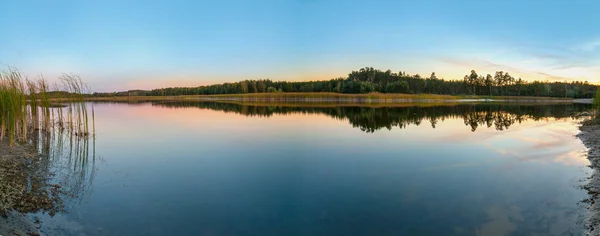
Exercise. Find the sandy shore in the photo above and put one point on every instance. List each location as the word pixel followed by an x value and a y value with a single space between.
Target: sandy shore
pixel 590 136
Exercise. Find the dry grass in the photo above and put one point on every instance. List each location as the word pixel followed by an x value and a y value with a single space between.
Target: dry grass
pixel 331 97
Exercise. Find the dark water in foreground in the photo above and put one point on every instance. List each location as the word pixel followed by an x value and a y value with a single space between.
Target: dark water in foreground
pixel 225 169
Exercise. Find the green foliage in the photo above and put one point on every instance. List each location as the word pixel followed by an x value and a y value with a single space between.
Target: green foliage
pixel 13 106
pixel 368 80
pixel 366 87
pixel 397 87
pixel 596 103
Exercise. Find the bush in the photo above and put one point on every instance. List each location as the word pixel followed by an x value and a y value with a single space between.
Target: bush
pixel 597 100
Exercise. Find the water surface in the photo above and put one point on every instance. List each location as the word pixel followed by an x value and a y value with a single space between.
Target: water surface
pixel 189 168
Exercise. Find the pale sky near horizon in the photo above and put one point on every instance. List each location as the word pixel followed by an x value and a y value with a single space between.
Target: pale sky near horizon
pixel 119 45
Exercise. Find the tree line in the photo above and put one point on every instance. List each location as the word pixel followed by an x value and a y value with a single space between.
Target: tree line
pixel 367 80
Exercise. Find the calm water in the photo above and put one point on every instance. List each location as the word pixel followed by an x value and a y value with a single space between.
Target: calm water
pixel 225 169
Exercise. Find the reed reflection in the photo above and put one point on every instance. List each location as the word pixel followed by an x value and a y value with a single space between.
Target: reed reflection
pixel 57 171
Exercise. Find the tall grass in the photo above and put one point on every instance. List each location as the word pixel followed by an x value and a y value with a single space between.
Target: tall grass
pixel 13 106
pixel 26 106
pixel 77 110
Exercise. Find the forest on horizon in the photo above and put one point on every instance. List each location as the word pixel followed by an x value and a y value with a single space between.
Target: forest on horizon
pixel 368 80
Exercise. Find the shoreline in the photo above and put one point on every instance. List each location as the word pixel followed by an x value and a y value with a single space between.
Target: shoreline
pixel 589 133
pixel 12 160
pixel 336 98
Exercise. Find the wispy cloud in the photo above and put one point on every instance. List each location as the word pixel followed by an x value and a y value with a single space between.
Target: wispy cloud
pixel 589 46
pixel 479 64
pixel 534 64
pixel 490 67
pixel 552 77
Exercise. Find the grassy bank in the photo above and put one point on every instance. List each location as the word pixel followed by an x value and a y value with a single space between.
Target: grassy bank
pixel 325 97
pixel 334 105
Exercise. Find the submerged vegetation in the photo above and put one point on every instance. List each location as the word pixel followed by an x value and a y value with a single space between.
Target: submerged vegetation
pixel 26 190
pixel 25 171
pixel 369 80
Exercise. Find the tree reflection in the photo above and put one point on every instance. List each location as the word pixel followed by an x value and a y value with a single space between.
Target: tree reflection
pixel 371 119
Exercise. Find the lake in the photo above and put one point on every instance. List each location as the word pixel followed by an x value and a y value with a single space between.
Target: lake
pixel 205 168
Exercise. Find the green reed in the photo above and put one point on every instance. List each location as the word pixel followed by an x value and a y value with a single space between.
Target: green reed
pixel 13 106
pixel 596 102
pixel 27 106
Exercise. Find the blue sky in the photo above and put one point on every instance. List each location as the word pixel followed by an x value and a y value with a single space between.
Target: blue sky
pixel 118 45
